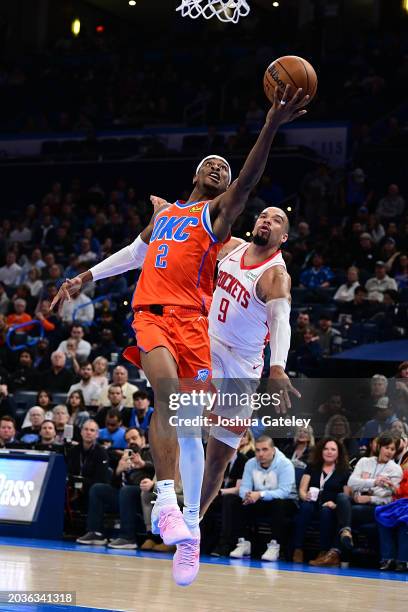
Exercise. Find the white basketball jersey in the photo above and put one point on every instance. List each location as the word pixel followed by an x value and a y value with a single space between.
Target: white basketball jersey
pixel 237 316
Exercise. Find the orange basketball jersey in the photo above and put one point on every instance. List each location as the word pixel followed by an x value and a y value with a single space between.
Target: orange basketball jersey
pixel 181 258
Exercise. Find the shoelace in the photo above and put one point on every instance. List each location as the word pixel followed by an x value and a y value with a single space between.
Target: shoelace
pixel 187 553
pixel 169 520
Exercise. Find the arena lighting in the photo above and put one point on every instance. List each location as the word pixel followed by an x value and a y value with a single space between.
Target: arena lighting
pixel 100 29
pixel 405 5
pixel 289 209
pixel 125 303
pixel 76 27
pixel 248 234
pixel 275 4
pixel 132 2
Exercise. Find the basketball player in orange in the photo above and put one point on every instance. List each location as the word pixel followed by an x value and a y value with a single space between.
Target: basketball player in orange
pixel 171 303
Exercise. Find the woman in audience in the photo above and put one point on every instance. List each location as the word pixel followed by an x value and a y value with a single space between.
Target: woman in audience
pixel 247 444
pixel 30 434
pixel 323 480
pixel 299 450
pixel 76 408
pixel 34 283
pixel 372 484
pixel 45 401
pixel 100 372
pixel 338 428
pixel 345 293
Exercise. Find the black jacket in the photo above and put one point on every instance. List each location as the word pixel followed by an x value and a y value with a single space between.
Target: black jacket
pixel 91 465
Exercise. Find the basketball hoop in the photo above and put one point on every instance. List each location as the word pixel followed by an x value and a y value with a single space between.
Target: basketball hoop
pixel 228 11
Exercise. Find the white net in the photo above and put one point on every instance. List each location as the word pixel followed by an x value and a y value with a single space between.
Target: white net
pixel 228 11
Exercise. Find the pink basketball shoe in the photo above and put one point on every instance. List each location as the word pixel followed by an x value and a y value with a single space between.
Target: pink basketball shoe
pixel 186 562
pixel 169 522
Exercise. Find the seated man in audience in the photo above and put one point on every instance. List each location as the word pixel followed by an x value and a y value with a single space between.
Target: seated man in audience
pixel 122 496
pixel 116 401
pixel 120 377
pixel 113 435
pixel 267 491
pixel 383 420
pixel 7 404
pixel 58 378
pixel 31 433
pixel 24 377
pixel 142 411
pixel 329 337
pixel 8 432
pixel 87 462
pixel 70 308
pixel 379 283
pixel 84 348
pixel 48 436
pixel 90 389
pixel 19 315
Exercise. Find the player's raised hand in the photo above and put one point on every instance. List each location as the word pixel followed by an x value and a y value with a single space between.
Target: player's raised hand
pixel 68 288
pixel 288 107
pixel 279 382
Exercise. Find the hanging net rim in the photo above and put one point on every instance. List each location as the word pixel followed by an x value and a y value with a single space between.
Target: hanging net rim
pixel 227 11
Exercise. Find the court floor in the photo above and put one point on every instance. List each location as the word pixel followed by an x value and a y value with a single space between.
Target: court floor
pixel 132 581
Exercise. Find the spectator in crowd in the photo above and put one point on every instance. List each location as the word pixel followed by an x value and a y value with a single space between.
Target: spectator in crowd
pixel 400 391
pixel 329 338
pixel 375 228
pixel 302 322
pixel 100 374
pixel 114 286
pixel 345 293
pixel 383 420
pixel 80 307
pixel 400 268
pixel 379 283
pixel 90 390
pixel 113 434
pixel 7 403
pixel 364 256
pixel 120 377
pixel 77 333
pixel 142 411
pixel 58 378
pixel 30 432
pixel 35 260
pixel 21 233
pixel 87 255
pixel 19 315
pixel 60 418
pixel 47 439
pixel 106 345
pixel 267 490
pixel 299 450
pixel 309 354
pixel 34 283
pixel 44 400
pixel 338 428
pixel 318 275
pixel 10 273
pixel 42 357
pixel 116 401
pixel 24 377
pixel 72 362
pixel 322 481
pixel 4 300
pixel 134 466
pixel 8 431
pixel 87 463
pixel 334 405
pixel 77 409
pixel 371 484
pixel 392 205
pixel 49 321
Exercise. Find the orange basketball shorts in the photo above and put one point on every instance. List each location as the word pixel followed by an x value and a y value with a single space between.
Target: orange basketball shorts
pixel 184 335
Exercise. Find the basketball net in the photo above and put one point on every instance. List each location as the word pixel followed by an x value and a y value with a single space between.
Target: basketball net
pixel 228 11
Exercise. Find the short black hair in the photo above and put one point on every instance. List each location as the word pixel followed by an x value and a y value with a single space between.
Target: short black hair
pixel 114 413
pixel 140 395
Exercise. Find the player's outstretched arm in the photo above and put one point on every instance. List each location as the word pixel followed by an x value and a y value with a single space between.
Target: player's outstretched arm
pixel 130 257
pixel 273 289
pixel 228 206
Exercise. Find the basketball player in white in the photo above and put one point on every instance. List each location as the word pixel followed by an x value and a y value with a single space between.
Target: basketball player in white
pixel 251 302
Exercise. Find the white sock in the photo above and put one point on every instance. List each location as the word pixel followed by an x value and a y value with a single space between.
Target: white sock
pixel 191 464
pixel 166 495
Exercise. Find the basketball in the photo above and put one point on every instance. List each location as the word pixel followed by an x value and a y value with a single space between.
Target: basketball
pixel 290 70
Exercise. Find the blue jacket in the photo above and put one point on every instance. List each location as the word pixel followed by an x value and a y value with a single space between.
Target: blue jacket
pixel 393 514
pixel 278 480
pixel 117 437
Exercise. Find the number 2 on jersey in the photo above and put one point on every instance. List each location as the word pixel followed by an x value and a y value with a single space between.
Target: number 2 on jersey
pixel 224 305
pixel 162 253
